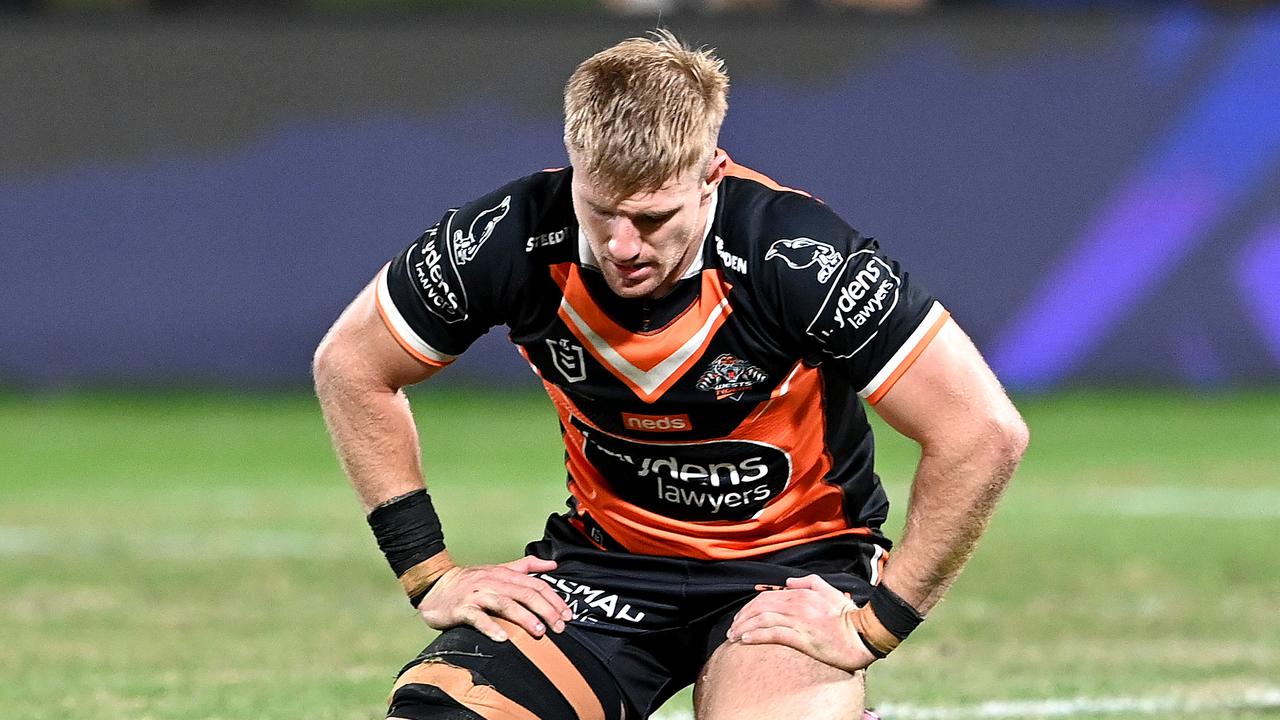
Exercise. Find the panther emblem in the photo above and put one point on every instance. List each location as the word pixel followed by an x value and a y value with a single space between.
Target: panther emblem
pixel 466 246
pixel 799 253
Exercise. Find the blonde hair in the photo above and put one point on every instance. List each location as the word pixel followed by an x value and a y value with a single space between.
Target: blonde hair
pixel 644 111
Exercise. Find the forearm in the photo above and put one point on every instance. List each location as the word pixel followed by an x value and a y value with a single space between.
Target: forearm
pixel 374 434
pixel 372 430
pixel 953 496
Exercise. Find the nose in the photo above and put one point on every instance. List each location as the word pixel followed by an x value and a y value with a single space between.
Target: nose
pixel 624 239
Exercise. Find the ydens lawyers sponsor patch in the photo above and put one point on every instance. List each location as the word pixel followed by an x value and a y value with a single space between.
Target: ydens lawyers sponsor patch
pixel 711 480
pixel 863 297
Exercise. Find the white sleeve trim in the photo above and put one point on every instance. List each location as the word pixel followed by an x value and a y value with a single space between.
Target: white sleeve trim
pixel 400 326
pixel 904 352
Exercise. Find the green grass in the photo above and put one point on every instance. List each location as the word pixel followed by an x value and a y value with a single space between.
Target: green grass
pixel 200 556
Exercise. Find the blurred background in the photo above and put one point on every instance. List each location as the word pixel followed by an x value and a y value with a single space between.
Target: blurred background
pixel 191 191
pixel 1095 193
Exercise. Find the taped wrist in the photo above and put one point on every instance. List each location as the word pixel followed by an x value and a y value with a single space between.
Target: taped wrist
pixel 885 621
pixel 409 534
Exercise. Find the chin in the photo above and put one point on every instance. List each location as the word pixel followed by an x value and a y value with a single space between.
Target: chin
pixel 633 292
pixel 630 291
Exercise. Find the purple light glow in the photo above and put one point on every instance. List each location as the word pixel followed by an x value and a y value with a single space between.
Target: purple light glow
pixel 1258 278
pixel 1146 233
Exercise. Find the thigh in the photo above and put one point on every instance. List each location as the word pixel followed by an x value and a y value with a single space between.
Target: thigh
pixel 741 682
pixel 465 675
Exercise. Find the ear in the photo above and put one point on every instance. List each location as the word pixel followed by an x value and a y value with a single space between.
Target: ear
pixel 716 171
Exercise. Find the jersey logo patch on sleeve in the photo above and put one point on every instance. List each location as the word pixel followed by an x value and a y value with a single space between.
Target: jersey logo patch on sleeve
pixel 466 246
pixel 728 376
pixel 436 280
pixel 802 252
pixel 863 298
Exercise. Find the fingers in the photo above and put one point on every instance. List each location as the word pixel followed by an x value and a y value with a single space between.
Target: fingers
pixel 808 615
pixel 772 607
pixel 788 599
pixel 559 608
pixel 541 599
pixel 507 608
pixel 756 621
pixel 481 609
pixel 776 635
pixel 797 606
pixel 480 620
pixel 813 582
pixel 750 613
pixel 476 595
pixel 809 582
pixel 560 611
pixel 531 564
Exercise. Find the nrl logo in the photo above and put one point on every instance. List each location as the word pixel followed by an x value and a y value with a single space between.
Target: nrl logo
pixel 728 376
pixel 568 359
pixel 799 253
pixel 466 246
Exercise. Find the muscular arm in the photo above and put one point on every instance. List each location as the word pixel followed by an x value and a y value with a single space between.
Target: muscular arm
pixel 971 438
pixel 359 370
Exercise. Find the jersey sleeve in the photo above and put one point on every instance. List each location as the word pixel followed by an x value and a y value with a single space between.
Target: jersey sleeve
pixel 852 308
pixel 452 284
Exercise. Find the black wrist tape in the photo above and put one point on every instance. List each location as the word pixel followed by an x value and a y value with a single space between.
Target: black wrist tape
pixel 408 530
pixel 896 614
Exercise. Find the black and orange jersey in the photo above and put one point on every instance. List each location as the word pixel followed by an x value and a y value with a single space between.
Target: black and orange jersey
pixel 721 421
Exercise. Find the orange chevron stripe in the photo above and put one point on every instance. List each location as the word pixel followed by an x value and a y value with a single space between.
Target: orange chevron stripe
pixel 649 355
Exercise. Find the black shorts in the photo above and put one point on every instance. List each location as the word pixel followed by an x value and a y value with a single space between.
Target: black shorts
pixel 643 628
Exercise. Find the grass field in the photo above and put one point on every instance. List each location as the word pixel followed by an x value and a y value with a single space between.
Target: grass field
pixel 198 556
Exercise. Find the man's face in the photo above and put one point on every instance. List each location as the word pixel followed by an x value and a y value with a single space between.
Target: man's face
pixel 645 242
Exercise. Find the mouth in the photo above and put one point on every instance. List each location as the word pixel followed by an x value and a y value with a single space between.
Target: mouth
pixel 633 273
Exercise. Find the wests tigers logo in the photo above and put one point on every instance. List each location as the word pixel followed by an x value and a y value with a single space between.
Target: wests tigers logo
pixel 728 376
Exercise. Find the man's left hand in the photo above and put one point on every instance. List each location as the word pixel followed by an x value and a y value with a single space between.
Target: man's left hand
pixel 809 615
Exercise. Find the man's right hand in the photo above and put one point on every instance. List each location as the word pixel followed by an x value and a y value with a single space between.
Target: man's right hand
pixel 475 595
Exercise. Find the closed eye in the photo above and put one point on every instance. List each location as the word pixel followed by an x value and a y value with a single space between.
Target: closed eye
pixel 656 218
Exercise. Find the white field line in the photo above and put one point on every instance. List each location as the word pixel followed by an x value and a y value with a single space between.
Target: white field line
pixel 1260 699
